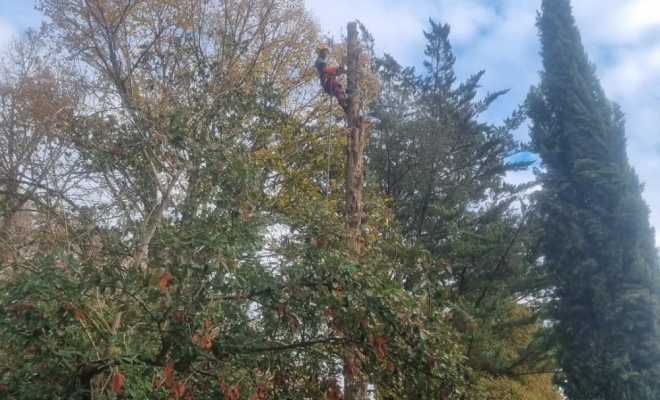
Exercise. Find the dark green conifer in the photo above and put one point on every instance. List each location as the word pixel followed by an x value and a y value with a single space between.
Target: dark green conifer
pixel 599 243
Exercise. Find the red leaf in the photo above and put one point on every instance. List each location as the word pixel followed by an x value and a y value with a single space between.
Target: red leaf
pixel 206 342
pixel 206 325
pixel 162 283
pixel 195 338
pixel 233 393
pixel 178 389
pixel 116 382
pixel 379 346
pixel 155 382
pixel 167 371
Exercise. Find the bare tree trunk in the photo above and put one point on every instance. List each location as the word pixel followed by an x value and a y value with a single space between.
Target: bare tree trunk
pixel 153 222
pixel 143 249
pixel 355 148
pixel 355 384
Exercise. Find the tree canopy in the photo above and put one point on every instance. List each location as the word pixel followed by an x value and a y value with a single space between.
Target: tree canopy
pixel 176 219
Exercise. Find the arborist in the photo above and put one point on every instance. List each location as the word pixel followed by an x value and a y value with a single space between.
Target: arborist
pixel 328 74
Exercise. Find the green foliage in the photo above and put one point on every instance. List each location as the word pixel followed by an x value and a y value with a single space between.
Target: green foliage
pixel 599 245
pixel 209 266
pixel 192 247
pixel 516 343
pixel 475 255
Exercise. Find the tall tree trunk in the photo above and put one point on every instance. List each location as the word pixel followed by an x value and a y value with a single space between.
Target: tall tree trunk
pixel 355 384
pixel 355 148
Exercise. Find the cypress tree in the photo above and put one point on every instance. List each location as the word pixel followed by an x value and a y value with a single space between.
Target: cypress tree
pixel 599 244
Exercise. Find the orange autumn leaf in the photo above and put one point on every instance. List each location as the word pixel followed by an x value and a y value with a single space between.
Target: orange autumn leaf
pixel 167 371
pixel 155 383
pixel 178 389
pixel 162 283
pixel 206 342
pixel 233 393
pixel 206 325
pixel 195 339
pixel 116 382
pixel 379 346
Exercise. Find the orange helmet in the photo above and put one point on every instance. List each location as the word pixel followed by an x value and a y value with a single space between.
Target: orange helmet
pixel 321 46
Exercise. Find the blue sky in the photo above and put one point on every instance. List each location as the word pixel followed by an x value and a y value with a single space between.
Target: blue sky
pixel 621 36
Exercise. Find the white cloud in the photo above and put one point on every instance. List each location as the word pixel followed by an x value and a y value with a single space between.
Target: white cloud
pixel 621 36
pixel 617 22
pixel 397 27
pixel 468 19
pixel 6 33
pixel 643 14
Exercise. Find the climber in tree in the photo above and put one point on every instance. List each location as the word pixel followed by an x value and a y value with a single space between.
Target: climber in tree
pixel 328 75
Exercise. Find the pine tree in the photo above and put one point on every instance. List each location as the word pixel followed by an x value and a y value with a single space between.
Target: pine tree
pixel 599 244
pixel 443 171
